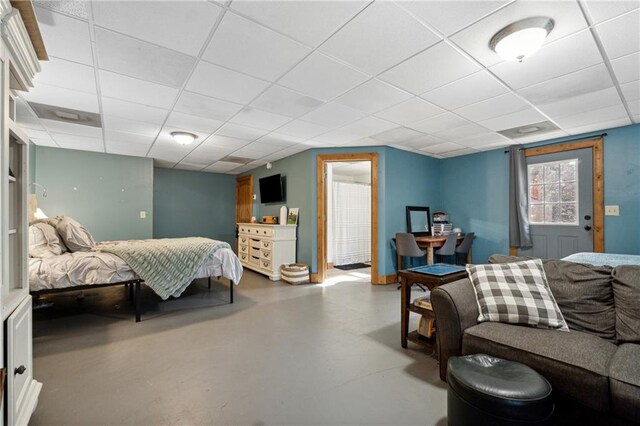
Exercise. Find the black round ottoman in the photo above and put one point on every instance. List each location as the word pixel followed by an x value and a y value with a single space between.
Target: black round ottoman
pixel 484 390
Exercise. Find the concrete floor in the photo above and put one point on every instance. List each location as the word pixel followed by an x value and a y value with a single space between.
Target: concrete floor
pixel 298 355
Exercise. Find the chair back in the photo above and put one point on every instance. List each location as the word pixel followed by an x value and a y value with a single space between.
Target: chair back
pixel 407 246
pixel 449 247
pixel 465 245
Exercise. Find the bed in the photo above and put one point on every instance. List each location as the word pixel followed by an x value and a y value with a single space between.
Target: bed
pixel 64 257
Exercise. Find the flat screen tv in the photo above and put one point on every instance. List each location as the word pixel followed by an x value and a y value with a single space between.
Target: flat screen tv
pixel 272 189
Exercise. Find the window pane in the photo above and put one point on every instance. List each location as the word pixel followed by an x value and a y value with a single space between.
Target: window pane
pixel 551 193
pixel 536 193
pixel 552 213
pixel 536 213
pixel 551 172
pixel 535 174
pixel 568 213
pixel 568 170
pixel 568 192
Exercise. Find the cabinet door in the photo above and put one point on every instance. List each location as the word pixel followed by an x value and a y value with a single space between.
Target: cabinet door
pixel 19 360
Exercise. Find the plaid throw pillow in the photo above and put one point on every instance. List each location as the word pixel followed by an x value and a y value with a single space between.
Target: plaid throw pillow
pixel 515 293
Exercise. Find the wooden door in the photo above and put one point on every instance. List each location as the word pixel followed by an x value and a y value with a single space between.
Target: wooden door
pixel 244 199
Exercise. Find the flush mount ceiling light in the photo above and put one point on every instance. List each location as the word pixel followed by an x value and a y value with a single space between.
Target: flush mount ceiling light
pixel 183 138
pixel 522 38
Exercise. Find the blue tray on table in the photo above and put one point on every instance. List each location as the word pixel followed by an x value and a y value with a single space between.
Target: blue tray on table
pixel 437 269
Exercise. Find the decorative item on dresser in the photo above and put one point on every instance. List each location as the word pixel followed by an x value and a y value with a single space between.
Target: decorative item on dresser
pixel 19 64
pixel 264 248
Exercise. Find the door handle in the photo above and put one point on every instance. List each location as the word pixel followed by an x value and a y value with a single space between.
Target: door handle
pixel 587 228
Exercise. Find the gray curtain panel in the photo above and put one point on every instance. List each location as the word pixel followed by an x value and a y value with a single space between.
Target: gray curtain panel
pixel 519 235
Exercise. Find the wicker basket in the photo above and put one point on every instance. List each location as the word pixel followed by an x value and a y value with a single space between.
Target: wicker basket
pixel 295 273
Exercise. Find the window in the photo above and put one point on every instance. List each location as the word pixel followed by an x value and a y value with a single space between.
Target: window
pixel 553 193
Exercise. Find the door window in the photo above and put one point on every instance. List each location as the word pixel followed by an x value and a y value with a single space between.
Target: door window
pixel 553 193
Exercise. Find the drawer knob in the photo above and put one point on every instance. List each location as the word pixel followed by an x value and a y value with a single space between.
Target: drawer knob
pixel 20 370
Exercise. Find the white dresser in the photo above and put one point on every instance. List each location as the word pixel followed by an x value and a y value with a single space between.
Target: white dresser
pixel 264 248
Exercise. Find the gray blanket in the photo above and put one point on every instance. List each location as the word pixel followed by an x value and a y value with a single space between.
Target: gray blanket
pixel 166 265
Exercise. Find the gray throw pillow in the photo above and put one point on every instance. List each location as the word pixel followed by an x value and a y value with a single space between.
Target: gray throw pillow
pixel 626 291
pixel 75 236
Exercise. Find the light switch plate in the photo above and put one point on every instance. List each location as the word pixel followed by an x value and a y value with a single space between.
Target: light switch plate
pixel 612 210
pixel 143 214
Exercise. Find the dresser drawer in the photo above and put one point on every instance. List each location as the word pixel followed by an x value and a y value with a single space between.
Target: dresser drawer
pixel 265 254
pixel 265 264
pixel 266 244
pixel 243 239
pixel 19 359
pixel 244 248
pixel 244 257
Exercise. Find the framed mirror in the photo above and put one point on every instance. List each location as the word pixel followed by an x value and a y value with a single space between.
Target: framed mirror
pixel 418 220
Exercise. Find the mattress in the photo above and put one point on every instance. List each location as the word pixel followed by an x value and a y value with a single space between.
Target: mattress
pixel 91 268
pixel 600 259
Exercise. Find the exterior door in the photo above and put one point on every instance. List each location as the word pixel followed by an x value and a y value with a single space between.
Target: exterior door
pixel 560 203
pixel 244 199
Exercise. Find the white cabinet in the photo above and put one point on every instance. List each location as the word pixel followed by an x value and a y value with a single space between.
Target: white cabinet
pixel 264 248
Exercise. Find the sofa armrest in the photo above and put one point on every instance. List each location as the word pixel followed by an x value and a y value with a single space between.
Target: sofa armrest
pixel 456 309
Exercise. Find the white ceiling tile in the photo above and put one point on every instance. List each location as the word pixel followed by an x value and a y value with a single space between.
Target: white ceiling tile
pixel 241 132
pixel 279 139
pixel 302 129
pixel 183 165
pixel 474 88
pixel 461 132
pixel 205 157
pixel 591 79
pixel 423 142
pixel 66 37
pixel 397 135
pixel 631 90
pixel 544 136
pixel 130 126
pixel 256 150
pixel 66 74
pixel 253 117
pixel 124 148
pixel 114 136
pixel 372 96
pixel 133 111
pixel 438 123
pixel 82 143
pixel 140 19
pixel 190 123
pixel 245 46
pixel 310 22
pixel 484 140
pixel 41 138
pixel 283 101
pixel 219 141
pixel 53 126
pixel 581 103
pixel 595 116
pixel 620 36
pixel 410 111
pixel 222 83
pixel 321 77
pixel 67 98
pixel 204 106
pixel 592 127
pixel 475 38
pixel 627 68
pixel 494 107
pixel 133 90
pixel 436 66
pixel 75 8
pixel 459 152
pixel 450 16
pixel 362 128
pixel 163 164
pixel 380 36
pixel 222 167
pixel 443 147
pixel 139 59
pixel 333 115
pixel 516 119
pixel 603 10
pixel 25 117
pixel 553 60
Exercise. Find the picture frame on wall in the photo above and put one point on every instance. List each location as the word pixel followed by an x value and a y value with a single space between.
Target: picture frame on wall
pixel 292 218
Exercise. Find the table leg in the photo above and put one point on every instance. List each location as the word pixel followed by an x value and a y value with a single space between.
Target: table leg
pixel 429 255
pixel 405 294
pixel 469 257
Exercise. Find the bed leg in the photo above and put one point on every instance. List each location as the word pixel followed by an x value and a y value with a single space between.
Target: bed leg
pixel 209 285
pixel 130 288
pixel 137 294
pixel 230 291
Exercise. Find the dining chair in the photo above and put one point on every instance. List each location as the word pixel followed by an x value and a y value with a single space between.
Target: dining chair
pixel 448 249
pixel 464 248
pixel 407 246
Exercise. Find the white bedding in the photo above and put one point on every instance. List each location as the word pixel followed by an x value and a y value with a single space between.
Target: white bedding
pixel 90 268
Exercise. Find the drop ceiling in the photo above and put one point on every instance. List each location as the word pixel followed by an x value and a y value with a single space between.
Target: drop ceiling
pixel 263 80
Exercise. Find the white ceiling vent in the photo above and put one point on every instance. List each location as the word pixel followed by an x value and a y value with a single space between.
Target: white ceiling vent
pixel 66 115
pixel 529 129
pixel 238 160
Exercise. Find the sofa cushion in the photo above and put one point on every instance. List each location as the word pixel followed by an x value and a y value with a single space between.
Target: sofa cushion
pixel 575 363
pixel 626 292
pixel 515 293
pixel 585 296
pixel 625 382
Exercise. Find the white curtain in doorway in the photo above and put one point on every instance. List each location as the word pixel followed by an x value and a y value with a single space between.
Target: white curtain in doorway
pixel 351 223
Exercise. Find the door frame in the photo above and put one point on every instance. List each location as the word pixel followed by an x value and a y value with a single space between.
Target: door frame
pixel 321 206
pixel 242 179
pixel 597 150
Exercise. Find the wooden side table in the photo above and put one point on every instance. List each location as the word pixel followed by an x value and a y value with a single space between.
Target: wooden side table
pixel 407 278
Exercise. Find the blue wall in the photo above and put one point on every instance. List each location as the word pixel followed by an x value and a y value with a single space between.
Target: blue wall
pixel 475 194
pixel 187 204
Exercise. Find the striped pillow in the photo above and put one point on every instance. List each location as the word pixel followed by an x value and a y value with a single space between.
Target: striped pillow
pixel 516 293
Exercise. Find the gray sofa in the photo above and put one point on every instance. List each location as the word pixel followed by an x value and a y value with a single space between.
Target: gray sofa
pixel 596 364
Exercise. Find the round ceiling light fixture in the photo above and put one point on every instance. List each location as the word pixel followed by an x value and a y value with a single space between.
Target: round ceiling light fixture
pixel 521 39
pixel 183 138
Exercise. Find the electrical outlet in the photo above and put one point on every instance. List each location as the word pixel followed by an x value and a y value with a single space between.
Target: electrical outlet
pixel 143 214
pixel 612 210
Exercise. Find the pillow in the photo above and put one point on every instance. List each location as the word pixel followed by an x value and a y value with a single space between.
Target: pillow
pixel 44 241
pixel 53 221
pixel 626 292
pixel 515 293
pixel 75 236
